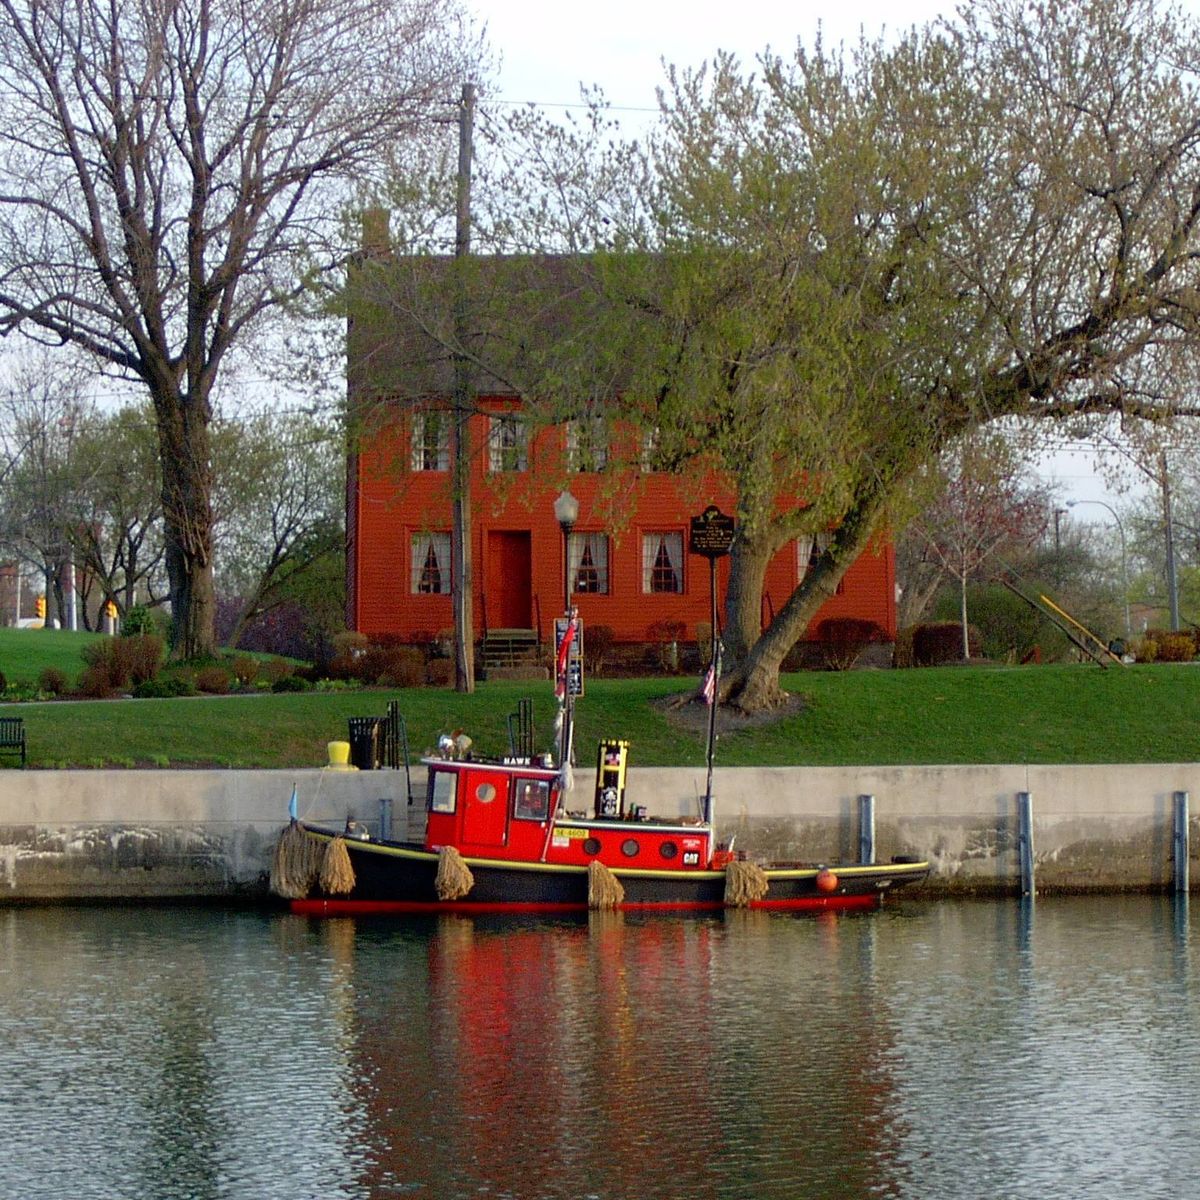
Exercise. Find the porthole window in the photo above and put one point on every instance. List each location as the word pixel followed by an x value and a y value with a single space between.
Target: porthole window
pixel 668 850
pixel 485 793
pixel 630 847
pixel 591 846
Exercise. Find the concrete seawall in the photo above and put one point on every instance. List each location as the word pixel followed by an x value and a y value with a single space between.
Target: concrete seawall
pixel 137 835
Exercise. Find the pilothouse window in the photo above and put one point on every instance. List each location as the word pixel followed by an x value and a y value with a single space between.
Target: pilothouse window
pixel 533 799
pixel 442 791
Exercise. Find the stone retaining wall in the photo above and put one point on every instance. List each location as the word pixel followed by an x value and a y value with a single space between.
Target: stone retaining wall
pixel 129 835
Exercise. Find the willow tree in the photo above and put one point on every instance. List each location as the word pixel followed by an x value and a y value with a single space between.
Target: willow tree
pixel 169 169
pixel 833 267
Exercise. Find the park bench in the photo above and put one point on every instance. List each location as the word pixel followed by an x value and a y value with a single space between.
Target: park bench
pixel 12 736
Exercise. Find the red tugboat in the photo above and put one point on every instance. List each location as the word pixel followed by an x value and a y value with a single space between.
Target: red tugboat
pixel 502 836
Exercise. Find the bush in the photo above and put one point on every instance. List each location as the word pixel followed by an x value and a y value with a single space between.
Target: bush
pixel 843 639
pixel 1164 645
pixel 597 646
pixel 52 681
pixel 165 687
pixel 940 642
pixel 271 669
pixel 291 683
pixel 665 637
pixel 394 666
pixel 902 652
pixel 124 660
pixel 245 669
pixel 137 621
pixel 95 682
pixel 214 681
pixel 440 672
pixel 349 644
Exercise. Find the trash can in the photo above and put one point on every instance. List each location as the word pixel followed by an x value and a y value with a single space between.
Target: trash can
pixel 364 743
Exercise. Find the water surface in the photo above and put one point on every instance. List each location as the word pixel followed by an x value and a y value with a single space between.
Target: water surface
pixel 926 1051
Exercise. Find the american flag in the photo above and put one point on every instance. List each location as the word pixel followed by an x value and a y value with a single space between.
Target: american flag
pixel 708 685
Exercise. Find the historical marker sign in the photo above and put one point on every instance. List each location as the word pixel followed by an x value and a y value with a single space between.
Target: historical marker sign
pixel 711 533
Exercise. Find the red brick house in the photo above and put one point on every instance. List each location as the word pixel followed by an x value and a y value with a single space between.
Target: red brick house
pixel 629 566
pixel 628 562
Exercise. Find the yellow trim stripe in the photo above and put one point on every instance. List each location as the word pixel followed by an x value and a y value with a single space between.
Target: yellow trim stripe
pixel 885 869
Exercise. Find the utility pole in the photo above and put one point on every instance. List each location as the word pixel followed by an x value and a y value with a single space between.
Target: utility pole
pixel 460 570
pixel 1172 585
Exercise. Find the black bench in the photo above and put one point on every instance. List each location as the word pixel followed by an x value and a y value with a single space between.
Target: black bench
pixel 12 736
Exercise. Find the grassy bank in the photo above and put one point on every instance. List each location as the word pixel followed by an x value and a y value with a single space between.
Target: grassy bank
pixel 1061 714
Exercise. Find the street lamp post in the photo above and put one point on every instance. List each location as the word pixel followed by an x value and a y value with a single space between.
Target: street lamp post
pixel 566 513
pixel 1124 556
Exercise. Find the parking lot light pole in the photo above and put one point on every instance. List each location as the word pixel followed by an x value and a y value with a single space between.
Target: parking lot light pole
pixel 1124 556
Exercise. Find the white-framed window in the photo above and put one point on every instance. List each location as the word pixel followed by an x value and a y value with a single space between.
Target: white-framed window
pixel 662 562
pixel 651 439
pixel 587 444
pixel 589 563
pixel 431 564
pixel 508 444
pixel 806 553
pixel 430 441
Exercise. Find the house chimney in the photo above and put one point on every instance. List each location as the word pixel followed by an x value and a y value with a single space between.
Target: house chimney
pixel 376 241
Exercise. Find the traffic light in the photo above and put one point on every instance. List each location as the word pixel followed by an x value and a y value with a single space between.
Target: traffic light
pixel 39 608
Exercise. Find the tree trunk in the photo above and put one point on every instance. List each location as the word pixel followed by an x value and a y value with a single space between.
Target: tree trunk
pixel 187 520
pixel 749 560
pixel 753 684
pixel 962 610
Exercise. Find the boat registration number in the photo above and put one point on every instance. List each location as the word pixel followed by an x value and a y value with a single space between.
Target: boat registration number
pixel 565 834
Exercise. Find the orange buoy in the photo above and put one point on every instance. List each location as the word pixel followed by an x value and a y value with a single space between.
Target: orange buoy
pixel 827 881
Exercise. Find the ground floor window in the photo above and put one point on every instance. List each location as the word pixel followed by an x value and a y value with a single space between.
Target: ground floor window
pixel 662 562
pixel 431 563
pixel 589 563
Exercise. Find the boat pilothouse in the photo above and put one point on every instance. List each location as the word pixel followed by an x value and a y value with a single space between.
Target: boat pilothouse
pixel 519 810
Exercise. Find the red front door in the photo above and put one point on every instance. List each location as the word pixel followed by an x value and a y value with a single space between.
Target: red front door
pixel 509 580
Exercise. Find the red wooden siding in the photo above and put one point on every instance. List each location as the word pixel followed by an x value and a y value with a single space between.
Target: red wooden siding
pixel 389 504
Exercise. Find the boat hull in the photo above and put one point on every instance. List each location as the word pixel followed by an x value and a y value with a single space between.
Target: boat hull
pixel 397 877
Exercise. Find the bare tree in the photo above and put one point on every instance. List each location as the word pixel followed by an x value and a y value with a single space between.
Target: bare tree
pixel 171 171
pixel 42 417
pixel 985 506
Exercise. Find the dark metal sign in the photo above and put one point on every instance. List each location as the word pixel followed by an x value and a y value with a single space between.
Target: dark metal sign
pixel 711 533
pixel 574 663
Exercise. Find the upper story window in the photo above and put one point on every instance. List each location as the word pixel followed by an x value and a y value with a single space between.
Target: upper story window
pixel 589 563
pixel 508 444
pixel 806 554
pixel 662 562
pixel 431 564
pixel 587 444
pixel 431 441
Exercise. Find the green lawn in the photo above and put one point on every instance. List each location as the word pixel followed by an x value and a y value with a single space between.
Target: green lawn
pixel 25 652
pixel 949 715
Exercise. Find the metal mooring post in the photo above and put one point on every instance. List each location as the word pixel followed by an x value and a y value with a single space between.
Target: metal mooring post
pixel 1025 841
pixel 385 818
pixel 866 830
pixel 1181 842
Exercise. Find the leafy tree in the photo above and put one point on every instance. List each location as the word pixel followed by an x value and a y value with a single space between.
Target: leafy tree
pixel 829 270
pixel 278 508
pixel 168 175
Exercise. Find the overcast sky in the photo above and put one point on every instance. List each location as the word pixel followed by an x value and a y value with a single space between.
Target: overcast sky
pixel 549 48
